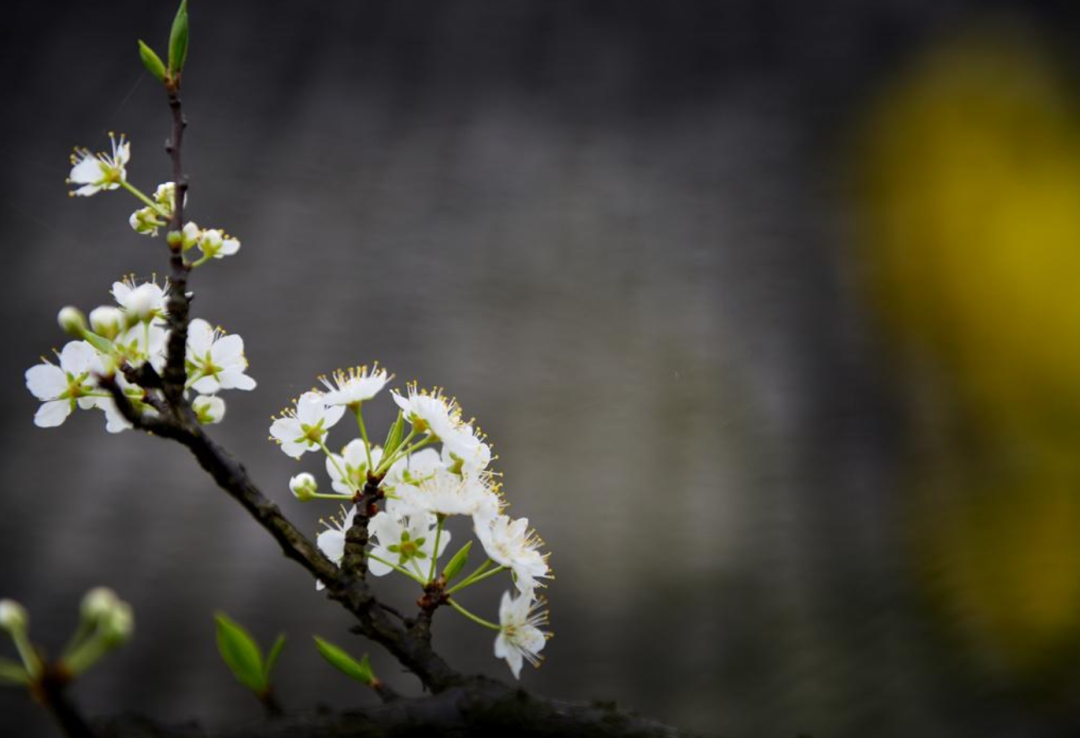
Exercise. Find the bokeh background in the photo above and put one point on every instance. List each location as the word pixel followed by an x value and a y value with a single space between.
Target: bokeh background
pixel 771 309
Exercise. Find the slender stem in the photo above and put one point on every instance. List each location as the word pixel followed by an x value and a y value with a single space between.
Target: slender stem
pixel 142 196
pixel 476 572
pixel 435 550
pixel 473 580
pixel 324 496
pixel 363 434
pixel 475 618
pixel 27 653
pixel 397 568
pixel 201 260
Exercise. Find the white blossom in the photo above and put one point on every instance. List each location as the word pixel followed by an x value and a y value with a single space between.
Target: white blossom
pixel 430 411
pixel 355 385
pixel 96 172
pixel 407 542
pixel 62 388
pixel 520 639
pixel 446 493
pixel 304 428
pixel 510 543
pixel 148 220
pixel 332 540
pixel 352 461
pixel 464 451
pixel 215 361
pixel 141 302
pixel 216 245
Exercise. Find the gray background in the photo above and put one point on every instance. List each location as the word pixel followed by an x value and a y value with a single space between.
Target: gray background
pixel 610 229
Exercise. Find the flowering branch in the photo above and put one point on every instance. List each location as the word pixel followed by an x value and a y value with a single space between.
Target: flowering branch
pixel 179 303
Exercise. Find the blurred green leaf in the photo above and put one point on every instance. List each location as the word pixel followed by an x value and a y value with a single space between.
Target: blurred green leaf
pixel 178 40
pixel 358 670
pixel 457 563
pixel 152 61
pixel 272 657
pixel 240 653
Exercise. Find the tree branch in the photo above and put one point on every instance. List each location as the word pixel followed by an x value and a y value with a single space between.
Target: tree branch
pixel 481 707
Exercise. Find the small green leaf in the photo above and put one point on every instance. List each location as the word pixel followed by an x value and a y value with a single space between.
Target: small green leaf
pixel 178 40
pixel 457 563
pixel 240 653
pixel 358 670
pixel 393 438
pixel 272 657
pixel 12 672
pixel 152 61
pixel 103 345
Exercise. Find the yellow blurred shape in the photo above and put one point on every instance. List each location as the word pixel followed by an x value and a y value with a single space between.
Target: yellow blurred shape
pixel 972 178
pixel 971 192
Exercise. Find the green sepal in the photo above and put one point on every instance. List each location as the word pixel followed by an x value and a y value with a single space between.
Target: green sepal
pixel 178 41
pixel 240 653
pixel 152 61
pixel 393 438
pixel 272 657
pixel 346 664
pixel 13 673
pixel 457 563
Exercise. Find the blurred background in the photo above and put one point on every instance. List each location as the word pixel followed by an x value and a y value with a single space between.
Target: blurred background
pixel 771 310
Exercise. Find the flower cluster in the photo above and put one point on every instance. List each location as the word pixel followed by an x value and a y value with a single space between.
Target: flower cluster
pixel 437 469
pixel 132 333
pixel 108 171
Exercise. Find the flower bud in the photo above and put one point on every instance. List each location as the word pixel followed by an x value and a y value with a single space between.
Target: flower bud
pixel 119 625
pixel 174 239
pixel 303 486
pixel 107 321
pixel 13 617
pixel 208 409
pixel 72 321
pixel 190 235
pixel 98 604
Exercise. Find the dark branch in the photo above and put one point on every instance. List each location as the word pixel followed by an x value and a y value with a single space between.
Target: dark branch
pixel 178 304
pixel 482 707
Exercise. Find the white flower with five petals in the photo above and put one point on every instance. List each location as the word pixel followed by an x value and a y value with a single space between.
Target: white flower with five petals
pixel 408 542
pixel 446 493
pixel 304 428
pixel 215 361
pixel 62 388
pixel 510 543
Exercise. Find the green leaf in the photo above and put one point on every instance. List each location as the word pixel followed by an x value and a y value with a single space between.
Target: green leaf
pixel 457 563
pixel 393 438
pixel 358 670
pixel 178 40
pixel 240 653
pixel 272 657
pixel 12 672
pixel 152 61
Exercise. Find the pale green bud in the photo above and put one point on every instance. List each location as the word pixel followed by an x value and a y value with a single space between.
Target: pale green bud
pixel 107 321
pixel 13 616
pixel 303 486
pixel 98 604
pixel 72 321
